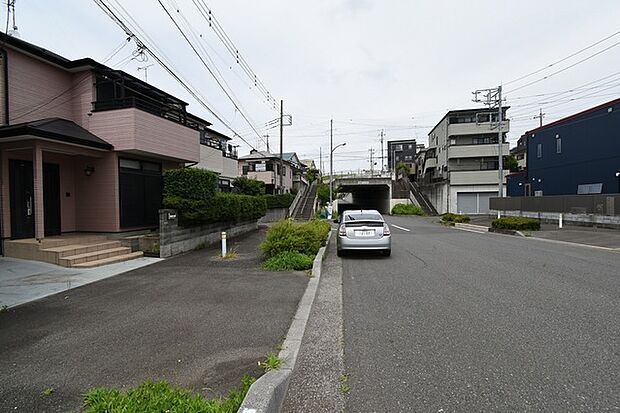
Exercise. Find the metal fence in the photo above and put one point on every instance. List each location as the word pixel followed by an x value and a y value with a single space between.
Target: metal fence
pixel 570 204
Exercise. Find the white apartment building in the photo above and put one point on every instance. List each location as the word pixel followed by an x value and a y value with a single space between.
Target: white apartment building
pixel 461 162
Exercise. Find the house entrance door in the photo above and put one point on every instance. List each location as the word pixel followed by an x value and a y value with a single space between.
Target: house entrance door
pixel 21 191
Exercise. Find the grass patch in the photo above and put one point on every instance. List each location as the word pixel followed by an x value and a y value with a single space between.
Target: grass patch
pixel 454 218
pixel 4 309
pixel 344 384
pixel 271 362
pixel 47 392
pixel 306 238
pixel 289 261
pixel 162 397
pixel 407 209
pixel 230 255
pixel 516 223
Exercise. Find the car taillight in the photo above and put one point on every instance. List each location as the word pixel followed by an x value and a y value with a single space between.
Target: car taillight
pixel 386 230
pixel 342 231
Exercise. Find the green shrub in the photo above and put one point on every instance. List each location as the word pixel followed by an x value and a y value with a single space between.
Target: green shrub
pixel 190 183
pixel 247 186
pixel 305 238
pixel 516 223
pixel 323 193
pixel 407 209
pixel 455 218
pixel 223 207
pixel 161 397
pixel 279 200
pixel 289 261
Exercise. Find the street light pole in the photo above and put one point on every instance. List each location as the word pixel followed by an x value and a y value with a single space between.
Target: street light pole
pixel 331 162
pixel 331 171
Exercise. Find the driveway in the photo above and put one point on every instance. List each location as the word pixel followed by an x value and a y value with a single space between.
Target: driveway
pixel 194 320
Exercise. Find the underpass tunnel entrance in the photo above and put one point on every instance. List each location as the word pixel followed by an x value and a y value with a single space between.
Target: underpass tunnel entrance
pixel 365 197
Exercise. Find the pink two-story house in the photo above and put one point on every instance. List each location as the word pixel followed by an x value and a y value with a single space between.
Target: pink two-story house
pixel 83 146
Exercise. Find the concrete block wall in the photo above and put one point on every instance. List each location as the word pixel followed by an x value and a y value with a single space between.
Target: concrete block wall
pixel 174 239
pixel 274 214
pixel 587 220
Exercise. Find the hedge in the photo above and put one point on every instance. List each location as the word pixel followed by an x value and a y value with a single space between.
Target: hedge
pixel 454 218
pixel 289 261
pixel 246 186
pixel 190 183
pixel 222 207
pixel 407 209
pixel 305 238
pixel 516 223
pixel 279 200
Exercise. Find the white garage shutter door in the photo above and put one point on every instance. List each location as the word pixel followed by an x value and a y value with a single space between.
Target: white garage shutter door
pixel 473 202
pixel 467 202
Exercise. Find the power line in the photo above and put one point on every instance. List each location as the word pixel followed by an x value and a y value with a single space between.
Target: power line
pixel 564 59
pixel 565 69
pixel 228 95
pixel 106 9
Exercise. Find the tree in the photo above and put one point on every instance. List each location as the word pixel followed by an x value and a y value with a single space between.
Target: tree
pixel 403 169
pixel 246 186
pixel 312 174
pixel 511 163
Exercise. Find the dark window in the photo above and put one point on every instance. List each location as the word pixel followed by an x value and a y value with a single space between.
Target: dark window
pixel 245 169
pixel 558 145
pixel 539 150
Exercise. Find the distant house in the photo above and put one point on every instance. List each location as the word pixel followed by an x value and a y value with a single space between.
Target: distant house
pixel 217 154
pixel 579 154
pixel 265 166
pixel 308 163
pixel 83 146
pixel 402 150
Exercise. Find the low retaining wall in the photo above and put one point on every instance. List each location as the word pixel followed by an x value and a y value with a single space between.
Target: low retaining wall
pixel 586 220
pixel 274 215
pixel 174 239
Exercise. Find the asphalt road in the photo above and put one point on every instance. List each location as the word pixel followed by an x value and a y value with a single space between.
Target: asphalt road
pixel 193 320
pixel 460 321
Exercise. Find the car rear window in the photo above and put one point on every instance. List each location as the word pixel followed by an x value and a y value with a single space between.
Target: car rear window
pixel 363 217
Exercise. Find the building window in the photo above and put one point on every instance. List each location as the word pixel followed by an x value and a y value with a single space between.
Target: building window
pixel 245 169
pixel 539 150
pixel 558 145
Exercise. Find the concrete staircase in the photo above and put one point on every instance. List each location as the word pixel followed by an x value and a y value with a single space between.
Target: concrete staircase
pixel 75 251
pixel 305 207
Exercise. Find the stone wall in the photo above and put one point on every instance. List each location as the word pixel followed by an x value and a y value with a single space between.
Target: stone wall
pixel 175 239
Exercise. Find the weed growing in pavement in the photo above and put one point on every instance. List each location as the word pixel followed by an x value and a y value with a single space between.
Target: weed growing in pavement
pixel 47 392
pixel 272 362
pixel 344 384
pixel 4 309
pixel 161 397
pixel 230 255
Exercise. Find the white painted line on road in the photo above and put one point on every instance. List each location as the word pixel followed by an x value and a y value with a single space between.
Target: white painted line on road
pixel 404 229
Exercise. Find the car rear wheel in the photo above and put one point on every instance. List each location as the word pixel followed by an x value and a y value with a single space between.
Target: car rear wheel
pixel 386 253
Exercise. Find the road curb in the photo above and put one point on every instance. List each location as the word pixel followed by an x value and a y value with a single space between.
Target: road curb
pixel 267 394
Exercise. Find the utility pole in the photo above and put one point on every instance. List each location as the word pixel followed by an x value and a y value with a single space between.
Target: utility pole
pixel 540 116
pixel 493 98
pixel 331 160
pixel 281 143
pixel 382 166
pixel 267 139
pixel 372 165
pixel 321 162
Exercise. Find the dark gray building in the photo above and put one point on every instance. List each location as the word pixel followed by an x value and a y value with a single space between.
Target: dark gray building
pixel 404 151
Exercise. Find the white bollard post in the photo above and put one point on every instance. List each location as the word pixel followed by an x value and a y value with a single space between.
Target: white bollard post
pixel 499 214
pixel 560 220
pixel 223 243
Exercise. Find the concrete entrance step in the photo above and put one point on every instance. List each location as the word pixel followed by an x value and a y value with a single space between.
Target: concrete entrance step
pixel 77 249
pixel 73 260
pixel 109 260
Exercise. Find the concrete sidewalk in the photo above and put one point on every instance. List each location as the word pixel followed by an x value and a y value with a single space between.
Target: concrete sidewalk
pixel 194 320
pixel 597 237
pixel 22 281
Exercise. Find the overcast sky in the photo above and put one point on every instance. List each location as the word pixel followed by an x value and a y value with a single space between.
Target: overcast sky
pixel 369 65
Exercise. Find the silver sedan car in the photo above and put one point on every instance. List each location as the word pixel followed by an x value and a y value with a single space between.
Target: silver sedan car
pixel 363 230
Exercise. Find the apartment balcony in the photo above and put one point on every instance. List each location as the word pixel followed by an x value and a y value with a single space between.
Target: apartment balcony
pixel 430 163
pixel 476 128
pixel 475 177
pixel 475 151
pixel 135 130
